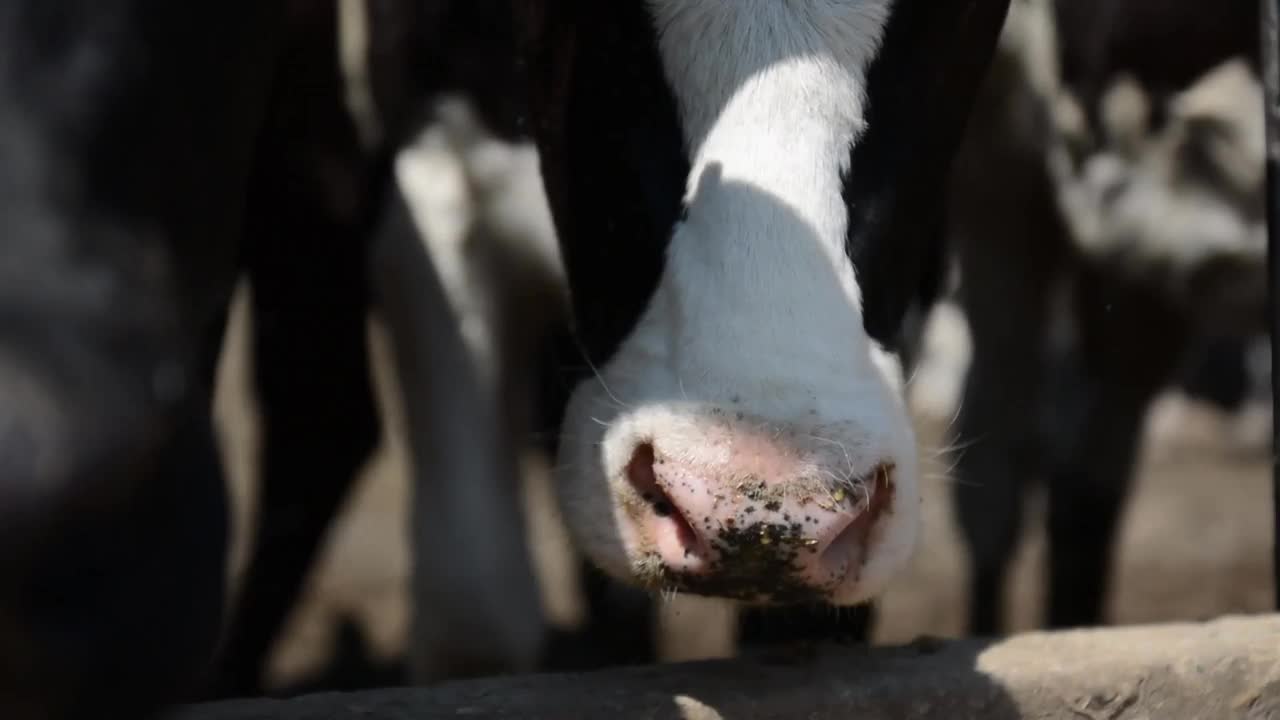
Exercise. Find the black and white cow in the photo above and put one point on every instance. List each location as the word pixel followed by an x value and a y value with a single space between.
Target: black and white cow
pixel 1105 221
pixel 746 197
pixel 746 201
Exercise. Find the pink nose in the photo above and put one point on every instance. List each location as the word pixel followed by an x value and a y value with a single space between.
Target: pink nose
pixel 767 525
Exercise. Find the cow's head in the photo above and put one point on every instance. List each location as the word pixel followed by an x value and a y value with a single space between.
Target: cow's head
pixel 1179 206
pixel 747 195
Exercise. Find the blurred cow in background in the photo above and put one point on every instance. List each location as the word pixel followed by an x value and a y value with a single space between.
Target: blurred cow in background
pixel 1107 212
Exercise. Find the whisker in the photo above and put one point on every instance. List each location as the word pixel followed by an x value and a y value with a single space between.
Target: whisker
pixel 843 448
pixel 949 480
pixel 955 416
pixel 599 377
pixel 950 449
pixel 915 371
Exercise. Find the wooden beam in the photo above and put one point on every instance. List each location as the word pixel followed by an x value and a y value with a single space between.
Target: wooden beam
pixel 1228 668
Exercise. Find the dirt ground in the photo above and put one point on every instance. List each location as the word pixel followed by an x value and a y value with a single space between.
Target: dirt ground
pixel 1196 541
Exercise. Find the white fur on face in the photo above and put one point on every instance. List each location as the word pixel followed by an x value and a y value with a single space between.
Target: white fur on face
pixel 758 309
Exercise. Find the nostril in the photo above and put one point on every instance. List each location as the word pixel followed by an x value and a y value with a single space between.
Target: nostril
pixel 841 539
pixel 644 479
pixel 853 533
pixel 640 473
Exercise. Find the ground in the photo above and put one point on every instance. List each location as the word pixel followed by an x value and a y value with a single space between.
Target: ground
pixel 1196 543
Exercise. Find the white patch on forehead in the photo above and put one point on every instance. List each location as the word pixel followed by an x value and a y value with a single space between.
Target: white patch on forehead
pixel 771 96
pixel 709 47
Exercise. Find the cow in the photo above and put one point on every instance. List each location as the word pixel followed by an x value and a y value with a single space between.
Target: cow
pixel 744 200
pixel 1105 213
pixel 745 197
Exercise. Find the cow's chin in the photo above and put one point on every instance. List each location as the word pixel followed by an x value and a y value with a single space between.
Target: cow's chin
pixel 678 495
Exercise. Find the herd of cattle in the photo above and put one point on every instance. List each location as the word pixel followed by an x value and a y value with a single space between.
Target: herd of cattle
pixel 686 246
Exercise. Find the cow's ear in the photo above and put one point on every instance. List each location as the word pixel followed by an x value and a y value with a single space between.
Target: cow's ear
pixel 1126 116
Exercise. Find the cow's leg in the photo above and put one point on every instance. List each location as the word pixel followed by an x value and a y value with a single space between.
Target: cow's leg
pixel 1005 304
pixel 476 603
pixel 1218 373
pixel 1010 250
pixel 1130 346
pixel 1009 253
pixel 1009 260
pixel 306 257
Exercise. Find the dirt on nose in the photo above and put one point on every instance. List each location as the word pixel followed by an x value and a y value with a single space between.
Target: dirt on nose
pixel 756 563
pixel 757 552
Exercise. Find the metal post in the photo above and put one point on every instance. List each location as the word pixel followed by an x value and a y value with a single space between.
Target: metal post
pixel 1271 82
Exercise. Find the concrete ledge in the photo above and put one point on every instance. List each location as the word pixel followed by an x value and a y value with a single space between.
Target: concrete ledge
pixel 1227 668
